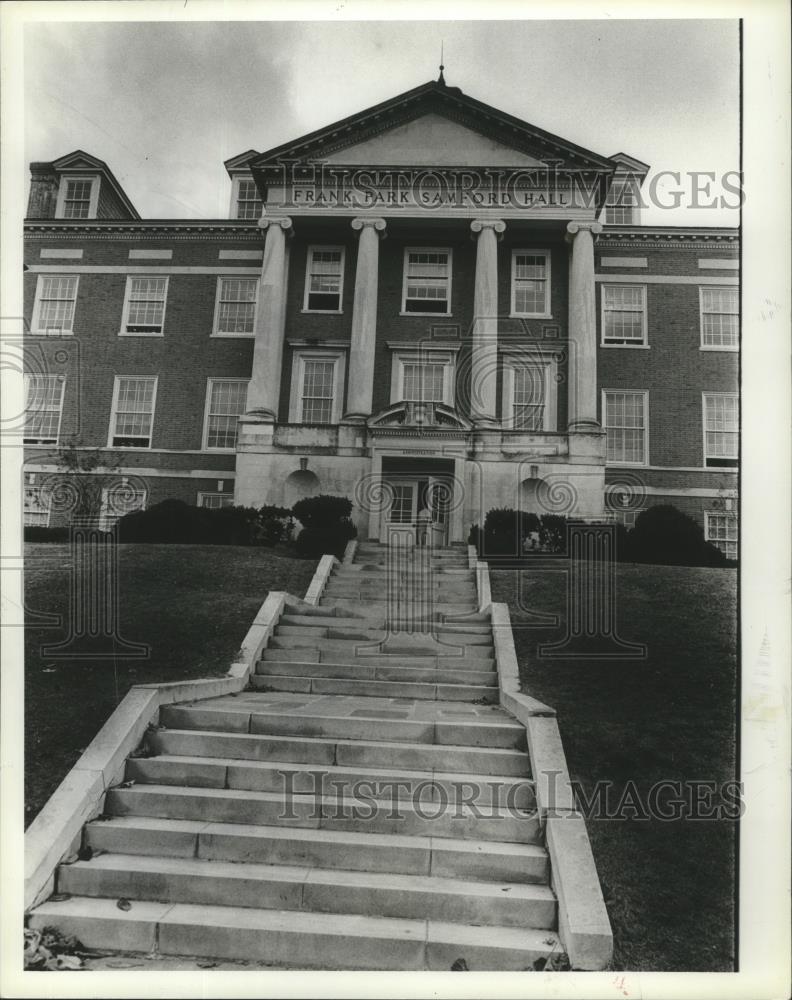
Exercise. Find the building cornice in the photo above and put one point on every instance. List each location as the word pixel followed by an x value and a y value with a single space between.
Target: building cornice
pixel 667 236
pixel 168 229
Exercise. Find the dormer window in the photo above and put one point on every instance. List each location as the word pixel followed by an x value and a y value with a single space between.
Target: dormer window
pixel 77 198
pixel 621 205
pixel 247 200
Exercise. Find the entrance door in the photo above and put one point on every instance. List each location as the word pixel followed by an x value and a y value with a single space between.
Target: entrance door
pixel 401 515
pixel 438 500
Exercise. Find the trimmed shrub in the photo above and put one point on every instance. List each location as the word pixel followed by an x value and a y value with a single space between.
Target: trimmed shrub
pixel 38 533
pixel 506 529
pixel 176 522
pixel 667 537
pixel 327 526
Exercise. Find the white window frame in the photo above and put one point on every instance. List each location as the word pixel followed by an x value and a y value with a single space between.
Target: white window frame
pixel 216 331
pixel 207 406
pixel 104 512
pixel 718 468
pixel 306 292
pixel 723 513
pixel 48 443
pixel 207 495
pixel 643 343
pixel 234 209
pixel 114 414
pixel 60 204
pixel 36 317
pixel 634 392
pixel 123 332
pixel 530 360
pixel 407 251
pixel 717 347
pixel 620 184
pixel 426 357
pixel 298 378
pixel 42 494
pixel 538 252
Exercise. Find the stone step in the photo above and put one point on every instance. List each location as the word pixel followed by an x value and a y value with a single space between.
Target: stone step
pixel 426 787
pixel 250 713
pixel 376 689
pixel 330 812
pixel 399 610
pixel 447 637
pixel 402 648
pixel 458 672
pixel 365 625
pixel 317 751
pixel 317 890
pixel 471 859
pixel 293 938
pixel 373 571
pixel 403 596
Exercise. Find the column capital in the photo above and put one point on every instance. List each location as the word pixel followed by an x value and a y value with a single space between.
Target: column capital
pixel 573 228
pixel 283 221
pixel 378 225
pixel 498 226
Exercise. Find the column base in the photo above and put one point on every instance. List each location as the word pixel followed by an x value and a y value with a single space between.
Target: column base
pixel 585 426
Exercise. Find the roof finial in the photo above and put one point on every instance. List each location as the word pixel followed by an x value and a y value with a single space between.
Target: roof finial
pixel 441 78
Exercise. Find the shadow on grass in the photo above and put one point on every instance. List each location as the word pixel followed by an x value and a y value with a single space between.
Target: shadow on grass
pixel 669 886
pixel 191 604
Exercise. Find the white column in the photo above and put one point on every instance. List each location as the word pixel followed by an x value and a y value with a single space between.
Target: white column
pixel 364 318
pixel 484 360
pixel 582 373
pixel 270 322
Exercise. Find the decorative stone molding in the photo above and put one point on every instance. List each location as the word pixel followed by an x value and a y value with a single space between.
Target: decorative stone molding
pixel 376 224
pixel 477 226
pixel 573 228
pixel 284 222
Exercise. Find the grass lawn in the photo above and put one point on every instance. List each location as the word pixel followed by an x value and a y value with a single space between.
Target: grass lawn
pixel 192 604
pixel 669 886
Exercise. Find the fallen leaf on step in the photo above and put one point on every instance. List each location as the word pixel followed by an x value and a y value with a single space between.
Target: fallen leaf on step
pixel 59 897
pixel 205 964
pixel 460 966
pixel 124 904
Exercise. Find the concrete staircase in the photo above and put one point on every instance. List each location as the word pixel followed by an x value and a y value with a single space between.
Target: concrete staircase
pixel 365 805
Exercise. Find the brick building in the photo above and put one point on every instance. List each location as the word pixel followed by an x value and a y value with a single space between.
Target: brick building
pixel 430 305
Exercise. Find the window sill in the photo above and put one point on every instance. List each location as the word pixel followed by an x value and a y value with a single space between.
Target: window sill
pixel 516 315
pixel 323 312
pixel 52 333
pixel 218 451
pixel 436 315
pixel 217 335
pixel 626 465
pixel 128 447
pixel 126 333
pixel 727 350
pixel 630 347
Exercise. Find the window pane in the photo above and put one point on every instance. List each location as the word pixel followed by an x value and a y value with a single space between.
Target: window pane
pixel 56 303
pixel 719 317
pixel 324 279
pixel 428 278
pixel 44 399
pixel 624 424
pixel 423 382
pixel 721 424
pixel 722 530
pixel 215 500
pixel 35 507
pixel 134 412
pixel 248 200
pixel 118 502
pixel 146 305
pixel 77 203
pixel 237 305
pixel 530 283
pixel 317 391
pixel 227 401
pixel 529 398
pixel 623 314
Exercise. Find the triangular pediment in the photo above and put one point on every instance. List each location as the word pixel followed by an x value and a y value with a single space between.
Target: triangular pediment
pixel 78 160
pixel 434 125
pixel 431 140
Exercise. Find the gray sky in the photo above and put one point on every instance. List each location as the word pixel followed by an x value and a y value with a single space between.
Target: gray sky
pixel 164 103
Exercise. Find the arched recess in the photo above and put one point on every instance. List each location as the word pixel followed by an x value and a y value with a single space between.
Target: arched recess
pixel 302 483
